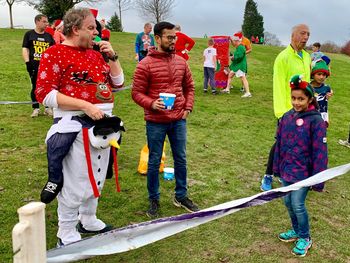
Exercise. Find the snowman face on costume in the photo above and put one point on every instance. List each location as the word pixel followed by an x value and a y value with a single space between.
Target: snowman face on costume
pixel 105 141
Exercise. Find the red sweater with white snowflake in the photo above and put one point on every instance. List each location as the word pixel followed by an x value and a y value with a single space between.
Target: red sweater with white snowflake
pixel 75 72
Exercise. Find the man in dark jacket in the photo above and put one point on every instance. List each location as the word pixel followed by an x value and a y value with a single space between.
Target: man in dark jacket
pixel 164 72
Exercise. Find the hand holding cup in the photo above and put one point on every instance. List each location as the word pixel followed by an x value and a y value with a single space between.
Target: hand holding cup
pixel 168 99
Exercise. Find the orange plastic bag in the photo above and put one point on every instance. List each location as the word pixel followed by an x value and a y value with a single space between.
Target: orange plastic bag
pixel 143 163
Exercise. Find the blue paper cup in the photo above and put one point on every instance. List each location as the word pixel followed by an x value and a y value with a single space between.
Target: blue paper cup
pixel 168 174
pixel 168 99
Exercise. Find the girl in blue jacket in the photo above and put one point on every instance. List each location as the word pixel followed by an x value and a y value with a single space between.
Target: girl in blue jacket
pixel 301 152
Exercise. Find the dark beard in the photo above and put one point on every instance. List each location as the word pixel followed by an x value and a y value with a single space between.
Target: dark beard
pixel 168 49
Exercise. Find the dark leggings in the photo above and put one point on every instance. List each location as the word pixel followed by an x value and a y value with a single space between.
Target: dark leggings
pixel 33 77
pixel 269 165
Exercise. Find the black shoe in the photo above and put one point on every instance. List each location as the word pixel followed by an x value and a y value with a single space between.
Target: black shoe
pixel 214 92
pixel 187 204
pixel 82 230
pixel 153 208
pixel 50 191
pixel 205 90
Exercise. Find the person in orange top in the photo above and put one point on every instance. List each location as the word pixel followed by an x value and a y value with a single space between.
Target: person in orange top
pixel 246 43
pixel 183 44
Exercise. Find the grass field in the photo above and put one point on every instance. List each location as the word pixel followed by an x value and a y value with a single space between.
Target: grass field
pixel 228 143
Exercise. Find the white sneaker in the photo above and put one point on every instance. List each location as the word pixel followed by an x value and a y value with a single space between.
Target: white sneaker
pixel 344 143
pixel 246 95
pixel 48 112
pixel 35 113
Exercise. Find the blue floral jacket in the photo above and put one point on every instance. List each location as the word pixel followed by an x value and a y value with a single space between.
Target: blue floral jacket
pixel 301 146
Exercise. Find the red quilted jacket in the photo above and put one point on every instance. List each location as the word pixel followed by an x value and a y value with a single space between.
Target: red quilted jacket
pixel 163 72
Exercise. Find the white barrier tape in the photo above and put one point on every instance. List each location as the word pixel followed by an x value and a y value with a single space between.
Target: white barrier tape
pixel 138 235
pixel 16 102
pixel 123 88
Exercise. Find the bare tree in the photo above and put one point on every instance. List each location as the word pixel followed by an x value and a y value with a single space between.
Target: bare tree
pixel 346 48
pixel 55 9
pixel 271 39
pixel 123 5
pixel 155 10
pixel 10 4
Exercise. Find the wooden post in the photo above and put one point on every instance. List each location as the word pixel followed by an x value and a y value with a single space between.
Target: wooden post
pixel 29 236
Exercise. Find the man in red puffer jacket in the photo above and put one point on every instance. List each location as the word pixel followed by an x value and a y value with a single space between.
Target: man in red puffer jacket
pixel 161 71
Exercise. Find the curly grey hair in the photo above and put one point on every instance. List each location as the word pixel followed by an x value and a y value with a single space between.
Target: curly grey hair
pixel 74 17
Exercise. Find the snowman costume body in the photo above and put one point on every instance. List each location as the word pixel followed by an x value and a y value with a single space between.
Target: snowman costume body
pixel 77 201
pixel 83 74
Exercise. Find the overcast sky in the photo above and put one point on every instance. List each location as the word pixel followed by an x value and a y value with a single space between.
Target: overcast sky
pixel 328 20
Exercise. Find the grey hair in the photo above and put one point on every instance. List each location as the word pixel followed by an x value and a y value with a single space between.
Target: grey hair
pixel 177 28
pixel 74 18
pixel 296 27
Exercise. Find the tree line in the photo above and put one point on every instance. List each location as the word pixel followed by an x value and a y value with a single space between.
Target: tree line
pixel 156 11
pixel 152 10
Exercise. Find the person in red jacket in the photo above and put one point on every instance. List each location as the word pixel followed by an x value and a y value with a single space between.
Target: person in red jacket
pixel 161 71
pixel 58 35
pixel 183 44
pixel 105 32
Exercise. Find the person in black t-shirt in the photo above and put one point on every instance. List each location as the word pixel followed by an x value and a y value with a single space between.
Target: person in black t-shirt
pixel 35 42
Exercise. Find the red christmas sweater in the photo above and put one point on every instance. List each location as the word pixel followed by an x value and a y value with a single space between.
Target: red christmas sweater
pixel 75 72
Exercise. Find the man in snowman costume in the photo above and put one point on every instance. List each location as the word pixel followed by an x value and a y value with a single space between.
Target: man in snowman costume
pixel 77 83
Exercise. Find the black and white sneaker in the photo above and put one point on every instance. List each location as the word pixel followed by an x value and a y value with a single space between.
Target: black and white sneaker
pixel 187 204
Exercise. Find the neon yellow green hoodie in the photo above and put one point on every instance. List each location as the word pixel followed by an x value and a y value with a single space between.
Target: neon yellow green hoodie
pixel 287 64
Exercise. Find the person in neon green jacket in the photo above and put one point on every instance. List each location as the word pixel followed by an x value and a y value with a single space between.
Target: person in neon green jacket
pixel 293 60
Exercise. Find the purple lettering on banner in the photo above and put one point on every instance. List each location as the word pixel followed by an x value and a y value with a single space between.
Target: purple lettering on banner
pixel 138 235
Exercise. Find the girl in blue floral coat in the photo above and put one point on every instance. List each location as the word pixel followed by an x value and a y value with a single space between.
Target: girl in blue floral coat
pixel 301 152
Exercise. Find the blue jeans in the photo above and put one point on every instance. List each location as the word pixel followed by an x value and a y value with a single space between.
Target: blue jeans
pixel 295 203
pixel 156 133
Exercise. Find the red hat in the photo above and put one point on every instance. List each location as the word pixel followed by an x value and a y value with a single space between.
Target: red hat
pixel 237 36
pixel 94 12
pixel 57 22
